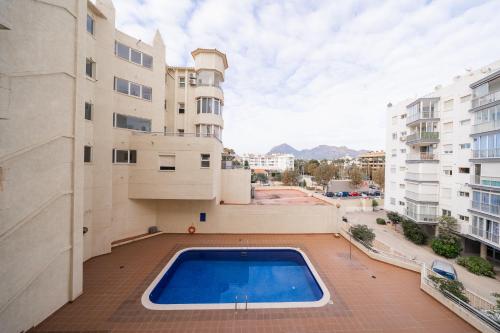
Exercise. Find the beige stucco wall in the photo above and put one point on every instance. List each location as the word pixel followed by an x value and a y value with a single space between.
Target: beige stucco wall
pixel 41 160
pixel 236 186
pixel 177 216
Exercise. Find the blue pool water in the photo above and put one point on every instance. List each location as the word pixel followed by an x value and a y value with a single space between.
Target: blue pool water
pixel 218 276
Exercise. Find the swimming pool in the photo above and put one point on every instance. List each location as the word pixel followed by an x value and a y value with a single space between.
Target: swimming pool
pixel 222 278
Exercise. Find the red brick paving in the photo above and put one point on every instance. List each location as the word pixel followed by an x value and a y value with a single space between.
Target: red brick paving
pixel 390 302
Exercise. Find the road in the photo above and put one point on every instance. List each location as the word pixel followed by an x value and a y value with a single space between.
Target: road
pixel 483 286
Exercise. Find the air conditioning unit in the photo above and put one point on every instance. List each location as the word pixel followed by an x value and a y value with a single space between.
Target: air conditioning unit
pixel 192 82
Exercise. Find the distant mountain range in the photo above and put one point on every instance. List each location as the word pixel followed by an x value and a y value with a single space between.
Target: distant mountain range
pixel 317 153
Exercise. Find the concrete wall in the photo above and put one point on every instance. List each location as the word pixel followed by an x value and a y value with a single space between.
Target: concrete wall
pixel 236 186
pixel 41 159
pixel 176 216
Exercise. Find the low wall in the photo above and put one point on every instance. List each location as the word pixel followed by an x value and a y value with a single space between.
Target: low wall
pixel 236 186
pixel 176 216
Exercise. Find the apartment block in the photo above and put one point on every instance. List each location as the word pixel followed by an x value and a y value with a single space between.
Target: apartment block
pixel 274 162
pixel 371 162
pixel 98 142
pixel 442 158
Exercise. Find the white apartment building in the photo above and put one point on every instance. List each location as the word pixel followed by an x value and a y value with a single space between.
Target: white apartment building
pixel 274 162
pixel 99 140
pixel 443 158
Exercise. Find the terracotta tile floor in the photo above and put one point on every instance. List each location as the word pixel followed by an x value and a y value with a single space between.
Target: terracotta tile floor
pixel 390 302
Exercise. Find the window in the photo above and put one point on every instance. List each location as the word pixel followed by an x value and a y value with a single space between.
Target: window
pixel 167 162
pixel 87 154
pixel 208 105
pixel 132 55
pixel 394 136
pixel 403 151
pixel 463 218
pixel 465 99
pixel 393 201
pixel 182 81
pixel 181 108
pixel 90 24
pixel 205 160
pixel 465 146
pixel 447 171
pixel 446 212
pixel 90 68
pixel 463 170
pixel 463 194
pixel 402 168
pixel 124 156
pixel 403 116
pixel 401 203
pixel 402 185
pixel 133 89
pixel 180 132
pixel 447 149
pixel 130 122
pixel 465 122
pixel 393 152
pixel 88 111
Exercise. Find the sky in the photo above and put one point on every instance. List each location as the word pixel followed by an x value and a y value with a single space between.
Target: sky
pixel 320 72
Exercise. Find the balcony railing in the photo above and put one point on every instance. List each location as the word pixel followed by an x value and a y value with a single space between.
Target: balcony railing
pixel 422 115
pixel 177 134
pixel 493 237
pixel 422 177
pixel 430 137
pixel 422 218
pixel 486 153
pixel 486 208
pixel 428 197
pixel 485 181
pixel 486 127
pixel 486 99
pixel 423 157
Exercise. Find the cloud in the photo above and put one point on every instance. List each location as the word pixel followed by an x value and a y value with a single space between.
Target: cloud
pixel 320 72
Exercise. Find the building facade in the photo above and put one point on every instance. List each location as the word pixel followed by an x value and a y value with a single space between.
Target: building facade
pixel 98 141
pixel 272 162
pixel 371 162
pixel 442 158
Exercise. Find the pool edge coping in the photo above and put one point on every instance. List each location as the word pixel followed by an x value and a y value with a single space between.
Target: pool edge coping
pixel 146 302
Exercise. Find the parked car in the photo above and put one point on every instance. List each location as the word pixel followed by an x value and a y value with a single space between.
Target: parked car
pixel 375 193
pixel 330 194
pixel 354 194
pixel 344 194
pixel 444 269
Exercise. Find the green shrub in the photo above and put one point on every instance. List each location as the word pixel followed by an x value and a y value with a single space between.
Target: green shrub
pixel 448 248
pixel 477 265
pixel 363 233
pixel 413 232
pixel 380 220
pixel 374 203
pixel 394 217
pixel 454 287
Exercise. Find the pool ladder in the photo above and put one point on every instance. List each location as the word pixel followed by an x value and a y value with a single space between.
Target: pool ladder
pixel 236 303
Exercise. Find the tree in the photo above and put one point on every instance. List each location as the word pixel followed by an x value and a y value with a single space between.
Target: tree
pixel 379 177
pixel 356 176
pixel 447 244
pixel 324 173
pixel 310 166
pixel 290 177
pixel 246 165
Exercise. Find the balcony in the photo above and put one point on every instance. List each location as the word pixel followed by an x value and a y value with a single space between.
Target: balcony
pixel 486 127
pixel 486 99
pixel 488 236
pixel 486 208
pixel 422 116
pixel 485 181
pixel 424 197
pixel 422 218
pixel 421 177
pixel 422 138
pixel 486 153
pixel 422 157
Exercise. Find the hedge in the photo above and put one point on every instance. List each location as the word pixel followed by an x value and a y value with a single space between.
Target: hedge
pixel 477 265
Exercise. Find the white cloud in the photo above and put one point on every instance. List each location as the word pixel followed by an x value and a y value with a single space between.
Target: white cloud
pixel 320 72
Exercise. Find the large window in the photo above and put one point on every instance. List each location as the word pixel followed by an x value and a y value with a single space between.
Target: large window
pixel 90 24
pixel 207 130
pixel 205 160
pixel 167 162
pixel 132 55
pixel 486 146
pixel 182 81
pixel 124 156
pixel 133 89
pixel 208 105
pixel 88 110
pixel 90 68
pixel 87 154
pixel 130 122
pixel 209 78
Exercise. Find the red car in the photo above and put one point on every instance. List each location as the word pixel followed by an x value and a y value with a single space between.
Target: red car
pixel 354 194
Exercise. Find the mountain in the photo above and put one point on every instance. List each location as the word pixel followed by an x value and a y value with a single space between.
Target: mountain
pixel 317 153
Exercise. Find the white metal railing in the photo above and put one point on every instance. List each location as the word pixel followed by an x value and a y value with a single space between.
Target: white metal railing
pixel 486 126
pixel 486 153
pixel 422 218
pixel 483 100
pixel 486 208
pixel 485 181
pixel 493 237
pixel 177 134
pixel 424 114
pixel 421 196
pixel 416 176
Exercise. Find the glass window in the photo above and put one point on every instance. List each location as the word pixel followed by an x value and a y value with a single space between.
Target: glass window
pixel 133 123
pixel 205 105
pixel 88 111
pixel 205 160
pixel 121 156
pixel 90 24
pixel 135 89
pixel 147 60
pixel 181 108
pixel 87 154
pixel 182 81
pixel 90 68
pixel 167 162
pixel 216 106
pixel 122 51
pixel 132 156
pixel 135 56
pixel 198 105
pixel 147 93
pixel 121 85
